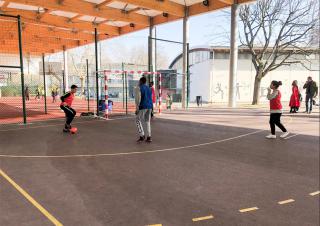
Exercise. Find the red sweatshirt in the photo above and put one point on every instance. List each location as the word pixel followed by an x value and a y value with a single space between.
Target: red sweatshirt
pixel 67 98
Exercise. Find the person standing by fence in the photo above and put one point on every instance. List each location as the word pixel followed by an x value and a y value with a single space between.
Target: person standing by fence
pixel 27 93
pixel 37 94
pixel 54 93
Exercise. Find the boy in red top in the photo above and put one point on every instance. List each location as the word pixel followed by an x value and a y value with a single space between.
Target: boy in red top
pixel 275 110
pixel 66 102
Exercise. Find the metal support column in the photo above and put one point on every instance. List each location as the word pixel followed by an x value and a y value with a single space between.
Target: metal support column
pixel 123 97
pixel 126 84
pixel 63 82
pixel 233 56
pixel 97 68
pixel 21 71
pixel 151 48
pixel 188 76
pixel 44 85
pixel 88 93
pixel 184 60
pixel 65 69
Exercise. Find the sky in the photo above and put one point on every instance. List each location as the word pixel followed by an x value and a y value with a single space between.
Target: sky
pixel 202 28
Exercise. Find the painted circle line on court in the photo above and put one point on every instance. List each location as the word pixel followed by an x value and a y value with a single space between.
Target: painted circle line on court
pixel 76 123
pixel 132 153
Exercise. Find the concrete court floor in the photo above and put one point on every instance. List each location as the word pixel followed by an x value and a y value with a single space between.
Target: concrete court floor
pixel 204 164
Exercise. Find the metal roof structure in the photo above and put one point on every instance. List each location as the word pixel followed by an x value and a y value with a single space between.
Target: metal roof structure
pixel 54 25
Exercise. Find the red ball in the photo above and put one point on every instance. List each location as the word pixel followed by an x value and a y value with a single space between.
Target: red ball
pixel 73 130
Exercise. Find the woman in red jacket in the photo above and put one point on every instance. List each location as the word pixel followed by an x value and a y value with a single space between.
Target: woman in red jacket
pixel 274 96
pixel 295 98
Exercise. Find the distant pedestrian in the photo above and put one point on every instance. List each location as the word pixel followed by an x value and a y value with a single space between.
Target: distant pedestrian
pixel 274 96
pixel 143 100
pixel 295 98
pixel 311 93
pixel 199 100
pixel 238 90
pixel 169 101
pixel 53 95
pixel 37 97
pixel 42 93
pixel 27 93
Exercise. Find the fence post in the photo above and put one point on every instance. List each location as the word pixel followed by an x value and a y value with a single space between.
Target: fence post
pixel 126 82
pixel 88 94
pixel 188 76
pixel 63 83
pixel 122 68
pixel 106 94
pixel 160 91
pixel 97 67
pixel 44 84
pixel 21 70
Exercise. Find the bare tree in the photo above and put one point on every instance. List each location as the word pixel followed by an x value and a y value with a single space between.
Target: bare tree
pixel 275 31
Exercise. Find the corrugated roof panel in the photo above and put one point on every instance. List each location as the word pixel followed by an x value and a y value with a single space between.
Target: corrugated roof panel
pixel 117 23
pixel 63 13
pixel 25 7
pixel 187 2
pixel 121 5
pixel 147 12
pixel 91 18
pixel 94 1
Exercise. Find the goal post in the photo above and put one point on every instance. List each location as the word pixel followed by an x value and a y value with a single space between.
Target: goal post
pixel 117 85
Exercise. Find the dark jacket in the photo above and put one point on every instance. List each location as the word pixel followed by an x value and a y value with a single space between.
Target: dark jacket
pixel 311 88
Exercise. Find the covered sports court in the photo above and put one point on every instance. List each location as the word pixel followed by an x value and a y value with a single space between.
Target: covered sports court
pixel 47 30
pixel 206 166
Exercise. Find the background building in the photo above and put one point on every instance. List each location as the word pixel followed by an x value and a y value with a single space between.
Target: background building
pixel 209 74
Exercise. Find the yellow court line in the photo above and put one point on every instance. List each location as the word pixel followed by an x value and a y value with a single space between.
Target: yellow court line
pixel 154 225
pixel 202 218
pixel 30 199
pixel 248 209
pixel 286 201
pixel 315 193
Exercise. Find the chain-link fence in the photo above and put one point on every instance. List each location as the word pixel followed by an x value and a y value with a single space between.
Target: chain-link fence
pixel 11 101
pixel 50 69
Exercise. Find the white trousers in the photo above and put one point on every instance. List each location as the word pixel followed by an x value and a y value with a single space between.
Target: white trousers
pixel 143 117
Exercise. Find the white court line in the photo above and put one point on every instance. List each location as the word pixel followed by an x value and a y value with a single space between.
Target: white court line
pixel 132 153
pixel 291 136
pixel 75 123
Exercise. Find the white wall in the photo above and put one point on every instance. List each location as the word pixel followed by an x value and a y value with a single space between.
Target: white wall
pixel 200 81
pixel 216 86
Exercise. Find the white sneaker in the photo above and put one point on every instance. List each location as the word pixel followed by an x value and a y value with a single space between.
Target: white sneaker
pixel 285 134
pixel 271 136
